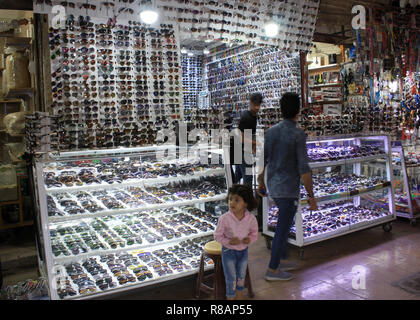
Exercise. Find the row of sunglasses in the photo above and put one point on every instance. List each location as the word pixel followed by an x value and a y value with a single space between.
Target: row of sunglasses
pixel 330 217
pixel 329 183
pixel 84 202
pixel 109 271
pixel 142 228
pixel 119 170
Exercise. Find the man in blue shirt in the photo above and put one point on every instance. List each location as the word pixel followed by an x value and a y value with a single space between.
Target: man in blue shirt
pixel 286 162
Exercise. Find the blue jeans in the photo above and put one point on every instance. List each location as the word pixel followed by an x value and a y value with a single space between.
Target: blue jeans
pixel 234 264
pixel 279 246
pixel 240 172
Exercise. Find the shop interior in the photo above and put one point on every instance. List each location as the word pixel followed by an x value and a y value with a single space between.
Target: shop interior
pixel 93 111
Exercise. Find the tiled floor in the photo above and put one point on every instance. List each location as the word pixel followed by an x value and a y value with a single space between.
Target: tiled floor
pixel 325 271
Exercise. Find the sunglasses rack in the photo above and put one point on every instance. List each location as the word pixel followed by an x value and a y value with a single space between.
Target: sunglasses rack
pixel 116 83
pixel 232 79
pixel 122 9
pixel 242 22
pixel 41 133
pixel 192 77
pixel 118 221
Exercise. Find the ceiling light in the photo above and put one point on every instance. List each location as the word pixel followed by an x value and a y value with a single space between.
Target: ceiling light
pixel 271 29
pixel 149 16
pixel 206 51
pixel 208 40
pixel 184 51
pixel 190 54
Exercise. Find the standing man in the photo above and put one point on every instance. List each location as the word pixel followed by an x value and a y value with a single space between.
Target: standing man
pixel 286 160
pixel 248 121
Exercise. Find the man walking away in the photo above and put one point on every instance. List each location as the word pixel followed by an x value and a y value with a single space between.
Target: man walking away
pixel 286 160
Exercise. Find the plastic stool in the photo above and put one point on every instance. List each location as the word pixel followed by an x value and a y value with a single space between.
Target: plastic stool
pixel 213 250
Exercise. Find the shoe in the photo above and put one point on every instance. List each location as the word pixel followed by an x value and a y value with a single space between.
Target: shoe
pixel 287 266
pixel 280 276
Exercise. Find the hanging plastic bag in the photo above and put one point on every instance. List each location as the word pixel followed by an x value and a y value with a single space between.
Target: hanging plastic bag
pixel 15 123
pixel 7 176
pixel 17 70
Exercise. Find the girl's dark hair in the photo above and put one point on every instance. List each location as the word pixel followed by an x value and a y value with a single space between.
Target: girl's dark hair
pixel 245 192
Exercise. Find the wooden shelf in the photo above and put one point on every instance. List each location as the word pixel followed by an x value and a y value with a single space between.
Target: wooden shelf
pixel 16 225
pixel 327 102
pixel 8 203
pixel 22 223
pixel 20 92
pixel 326 85
pixel 322 68
pixel 11 101
pixel 13 41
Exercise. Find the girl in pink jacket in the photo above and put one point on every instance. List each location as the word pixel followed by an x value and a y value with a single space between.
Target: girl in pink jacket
pixel 236 230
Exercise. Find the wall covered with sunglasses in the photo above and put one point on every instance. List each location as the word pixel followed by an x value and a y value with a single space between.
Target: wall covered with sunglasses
pixel 232 76
pixel 118 84
pixel 242 21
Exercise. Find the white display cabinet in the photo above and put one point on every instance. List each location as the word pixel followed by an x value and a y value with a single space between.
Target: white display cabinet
pixel 115 220
pixel 346 194
pixel 406 165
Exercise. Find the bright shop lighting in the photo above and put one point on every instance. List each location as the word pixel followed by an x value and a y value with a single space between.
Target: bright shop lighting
pixel 149 16
pixel 271 29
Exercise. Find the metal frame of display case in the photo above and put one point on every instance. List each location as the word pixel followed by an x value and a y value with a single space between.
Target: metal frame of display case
pixel 300 241
pixel 48 261
pixel 413 216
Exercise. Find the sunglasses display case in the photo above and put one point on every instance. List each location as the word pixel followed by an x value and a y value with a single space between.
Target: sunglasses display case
pixel 348 197
pixel 114 220
pixel 406 165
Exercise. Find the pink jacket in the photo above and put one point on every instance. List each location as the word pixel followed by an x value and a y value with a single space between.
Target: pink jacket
pixel 229 227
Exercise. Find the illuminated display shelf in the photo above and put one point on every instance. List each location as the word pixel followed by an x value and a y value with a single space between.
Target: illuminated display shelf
pixel 170 215
pixel 407 172
pixel 353 196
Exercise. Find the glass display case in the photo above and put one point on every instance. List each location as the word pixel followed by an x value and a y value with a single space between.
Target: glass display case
pixel 114 220
pixel 346 194
pixel 406 165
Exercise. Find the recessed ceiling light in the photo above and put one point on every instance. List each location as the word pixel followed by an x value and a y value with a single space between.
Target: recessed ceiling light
pixel 271 29
pixel 184 51
pixel 149 16
pixel 190 54
pixel 206 51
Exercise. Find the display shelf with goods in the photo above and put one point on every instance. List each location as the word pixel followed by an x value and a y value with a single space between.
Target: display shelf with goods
pixel 123 220
pixel 406 173
pixel 405 162
pixel 343 192
pixel 232 76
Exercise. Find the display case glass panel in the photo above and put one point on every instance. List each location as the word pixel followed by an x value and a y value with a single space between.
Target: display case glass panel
pixel 349 196
pixel 112 222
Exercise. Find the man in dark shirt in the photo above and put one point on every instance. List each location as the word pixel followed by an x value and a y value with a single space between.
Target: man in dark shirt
pixel 286 161
pixel 248 121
